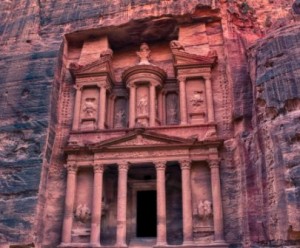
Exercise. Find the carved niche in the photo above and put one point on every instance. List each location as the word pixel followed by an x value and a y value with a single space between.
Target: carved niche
pixel 196 100
pixel 202 202
pixel 142 105
pixel 120 112
pixel 172 108
pixel 89 108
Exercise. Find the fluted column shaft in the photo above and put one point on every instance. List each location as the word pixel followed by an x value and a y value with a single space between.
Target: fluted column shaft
pixel 161 203
pixel 76 119
pixel 217 200
pixel 97 204
pixel 210 103
pixel 102 112
pixel 152 105
pixel 122 204
pixel 182 96
pixel 132 106
pixel 69 203
pixel 186 201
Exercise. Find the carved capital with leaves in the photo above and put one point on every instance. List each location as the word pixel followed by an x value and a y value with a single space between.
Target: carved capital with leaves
pixel 124 166
pixel 214 163
pixel 185 164
pixel 181 78
pixel 160 165
pixel 98 168
pixel 71 167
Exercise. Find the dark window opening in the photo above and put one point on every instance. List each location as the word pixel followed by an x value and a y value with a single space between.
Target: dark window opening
pixel 146 214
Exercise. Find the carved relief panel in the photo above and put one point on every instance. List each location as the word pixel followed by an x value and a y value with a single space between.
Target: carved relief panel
pixel 142 105
pixel 172 108
pixel 202 202
pixel 83 205
pixel 120 112
pixel 196 101
pixel 89 108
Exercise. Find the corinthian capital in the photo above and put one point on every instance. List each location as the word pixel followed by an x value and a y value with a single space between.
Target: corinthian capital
pixel 214 163
pixel 71 167
pixel 160 165
pixel 181 78
pixel 98 167
pixel 124 166
pixel 185 164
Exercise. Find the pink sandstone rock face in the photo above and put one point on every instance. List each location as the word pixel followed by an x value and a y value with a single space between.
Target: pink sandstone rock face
pixel 194 102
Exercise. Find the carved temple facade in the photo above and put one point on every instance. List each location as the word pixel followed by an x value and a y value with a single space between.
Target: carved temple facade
pixel 143 154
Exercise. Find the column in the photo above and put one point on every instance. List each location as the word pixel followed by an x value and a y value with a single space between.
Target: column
pixel 76 119
pixel 132 106
pixel 217 200
pixel 160 107
pixel 102 108
pixel 186 202
pixel 182 96
pixel 164 118
pixel 210 103
pixel 69 203
pixel 122 205
pixel 161 203
pixel 152 105
pixel 97 204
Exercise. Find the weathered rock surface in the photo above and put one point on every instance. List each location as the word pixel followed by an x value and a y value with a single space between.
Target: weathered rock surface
pixel 258 111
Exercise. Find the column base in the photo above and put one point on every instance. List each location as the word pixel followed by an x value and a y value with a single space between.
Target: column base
pixel 95 245
pixel 78 245
pixel 159 244
pixel 188 243
pixel 120 245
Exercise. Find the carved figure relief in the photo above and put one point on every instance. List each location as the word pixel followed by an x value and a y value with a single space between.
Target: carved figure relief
pixel 119 118
pixel 142 105
pixel 197 100
pixel 89 107
pixel 82 213
pixel 204 209
pixel 120 112
pixel 144 54
pixel 172 108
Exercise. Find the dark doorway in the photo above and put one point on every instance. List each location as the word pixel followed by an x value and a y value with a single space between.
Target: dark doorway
pixel 146 214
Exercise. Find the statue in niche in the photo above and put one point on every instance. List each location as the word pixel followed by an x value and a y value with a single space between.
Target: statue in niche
pixel 204 209
pixel 144 54
pixel 142 105
pixel 120 118
pixel 197 99
pixel 82 213
pixel 172 109
pixel 89 107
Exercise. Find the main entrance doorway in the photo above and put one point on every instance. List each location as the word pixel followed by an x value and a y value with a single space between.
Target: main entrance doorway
pixel 146 213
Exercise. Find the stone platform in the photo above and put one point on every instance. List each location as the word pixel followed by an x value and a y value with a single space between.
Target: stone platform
pixel 147 243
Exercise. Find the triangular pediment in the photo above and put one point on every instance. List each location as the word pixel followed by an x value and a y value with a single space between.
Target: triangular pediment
pixel 142 139
pixel 184 58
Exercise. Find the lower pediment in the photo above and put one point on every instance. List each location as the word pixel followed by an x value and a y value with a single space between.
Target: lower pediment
pixel 141 138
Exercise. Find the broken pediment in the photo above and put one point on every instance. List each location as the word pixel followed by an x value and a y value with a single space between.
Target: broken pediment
pixel 102 66
pixel 184 58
